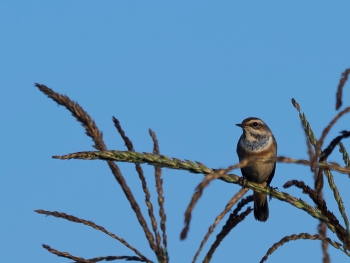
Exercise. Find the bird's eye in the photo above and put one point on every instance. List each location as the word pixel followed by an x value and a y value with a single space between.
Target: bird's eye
pixel 255 124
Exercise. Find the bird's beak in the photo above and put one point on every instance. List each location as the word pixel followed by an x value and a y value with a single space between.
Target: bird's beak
pixel 239 125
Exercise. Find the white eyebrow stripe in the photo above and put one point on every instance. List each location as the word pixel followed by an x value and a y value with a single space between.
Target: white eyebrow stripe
pixel 255 120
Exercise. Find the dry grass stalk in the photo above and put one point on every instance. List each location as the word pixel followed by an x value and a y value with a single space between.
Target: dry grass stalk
pixel 322 230
pixel 306 125
pixel 318 172
pixel 159 187
pixel 138 168
pixel 329 176
pixel 111 258
pixel 345 154
pixel 178 164
pixel 306 190
pixel 218 219
pixel 231 223
pixel 317 162
pixel 341 84
pixel 174 163
pixel 321 204
pixel 302 236
pixel 198 193
pixel 92 260
pixel 95 226
pixel 93 132
pixel 318 198
pixel 310 150
pixel 66 255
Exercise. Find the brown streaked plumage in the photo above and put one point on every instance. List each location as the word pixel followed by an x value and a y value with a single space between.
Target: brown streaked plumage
pixel 257 141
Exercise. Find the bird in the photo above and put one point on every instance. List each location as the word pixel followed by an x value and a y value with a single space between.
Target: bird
pixel 257 141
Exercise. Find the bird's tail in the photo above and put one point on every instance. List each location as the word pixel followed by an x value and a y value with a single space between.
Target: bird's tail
pixel 261 207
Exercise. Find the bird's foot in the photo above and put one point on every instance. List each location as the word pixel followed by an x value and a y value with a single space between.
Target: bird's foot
pixel 272 188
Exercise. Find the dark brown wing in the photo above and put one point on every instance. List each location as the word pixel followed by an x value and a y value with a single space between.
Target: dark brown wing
pixel 274 167
pixel 271 175
pixel 244 174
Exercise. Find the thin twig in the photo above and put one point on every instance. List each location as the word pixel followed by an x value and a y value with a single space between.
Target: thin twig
pixel 322 230
pixel 218 219
pixel 318 172
pixel 66 255
pixel 93 132
pixel 302 236
pixel 310 150
pixel 341 84
pixel 174 163
pixel 319 202
pixel 316 197
pixel 138 168
pixel 159 187
pixel 111 258
pixel 306 125
pixel 197 194
pixel 345 154
pixel 231 223
pixel 338 198
pixel 306 190
pixel 332 185
pixel 93 225
pixel 328 128
pixel 326 152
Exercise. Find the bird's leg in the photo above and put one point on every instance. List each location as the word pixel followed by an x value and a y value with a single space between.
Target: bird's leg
pixel 272 188
pixel 243 181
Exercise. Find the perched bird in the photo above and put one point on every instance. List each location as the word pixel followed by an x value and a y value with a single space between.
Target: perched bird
pixel 257 141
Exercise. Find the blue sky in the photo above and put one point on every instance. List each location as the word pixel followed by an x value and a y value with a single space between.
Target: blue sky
pixel 188 70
